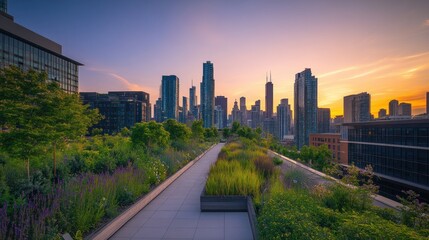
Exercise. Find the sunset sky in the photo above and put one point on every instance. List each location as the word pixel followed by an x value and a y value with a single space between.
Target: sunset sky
pixel 375 46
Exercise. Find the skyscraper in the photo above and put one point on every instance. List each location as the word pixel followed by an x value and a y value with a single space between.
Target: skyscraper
pixel 404 109
pixel 256 114
pixel 193 102
pixel 26 49
pixel 218 117
pixel 382 113
pixel 157 111
pixel 323 120
pixel 243 110
pixel 170 97
pixel 305 110
pixel 393 108
pixel 184 115
pixel 357 108
pixel 236 113
pixel 268 98
pixel 223 103
pixel 284 117
pixel 207 95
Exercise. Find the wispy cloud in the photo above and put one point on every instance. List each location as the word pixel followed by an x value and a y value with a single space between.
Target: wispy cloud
pixel 129 85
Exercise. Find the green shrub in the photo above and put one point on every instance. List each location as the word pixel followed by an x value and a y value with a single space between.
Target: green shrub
pixel 277 161
pixel 342 198
pixel 264 165
pixel 230 178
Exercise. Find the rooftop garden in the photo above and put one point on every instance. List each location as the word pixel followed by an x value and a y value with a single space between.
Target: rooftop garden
pixel 55 180
pixel 289 205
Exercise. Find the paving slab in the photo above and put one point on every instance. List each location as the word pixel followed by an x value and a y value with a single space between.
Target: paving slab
pixel 175 213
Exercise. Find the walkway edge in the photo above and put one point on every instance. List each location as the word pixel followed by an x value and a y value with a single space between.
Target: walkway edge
pixel 383 200
pixel 113 226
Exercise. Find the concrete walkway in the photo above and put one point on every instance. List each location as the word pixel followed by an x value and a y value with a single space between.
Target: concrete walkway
pixel 175 213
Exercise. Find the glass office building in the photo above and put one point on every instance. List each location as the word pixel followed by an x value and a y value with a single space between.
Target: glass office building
pixel 120 109
pixel 25 49
pixel 397 150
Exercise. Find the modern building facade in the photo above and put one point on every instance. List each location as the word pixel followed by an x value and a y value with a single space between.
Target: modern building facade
pixel 236 113
pixel 243 110
pixel 218 117
pixel 120 109
pixel 332 140
pixel 184 113
pixel 404 109
pixel 382 113
pixel 305 109
pixel 207 95
pixel 393 107
pixel 284 118
pixel 157 111
pixel 397 150
pixel 193 108
pixel 256 115
pixel 323 120
pixel 170 97
pixel 27 50
pixel 357 108
pixel 269 98
pixel 223 103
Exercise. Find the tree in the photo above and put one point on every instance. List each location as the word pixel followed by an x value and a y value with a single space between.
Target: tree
pixel 197 129
pixel 178 131
pixel 149 134
pixel 35 113
pixel 235 127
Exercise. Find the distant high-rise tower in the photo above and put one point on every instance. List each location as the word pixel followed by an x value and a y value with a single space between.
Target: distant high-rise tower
pixel 256 114
pixel 305 110
pixel 404 109
pixel 157 112
pixel 243 110
pixel 184 115
pixel 323 120
pixel 223 103
pixel 170 97
pixel 236 113
pixel 193 108
pixel 207 95
pixel 283 119
pixel 393 107
pixel 357 108
pixel 268 98
pixel 3 6
pixel 382 113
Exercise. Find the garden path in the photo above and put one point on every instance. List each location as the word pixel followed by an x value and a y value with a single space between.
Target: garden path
pixel 175 213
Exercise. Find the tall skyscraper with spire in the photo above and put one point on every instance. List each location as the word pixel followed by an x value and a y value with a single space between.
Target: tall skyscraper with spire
pixel 207 95
pixel 268 98
pixel 305 109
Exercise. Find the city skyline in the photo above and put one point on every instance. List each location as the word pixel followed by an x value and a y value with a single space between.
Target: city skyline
pixel 349 46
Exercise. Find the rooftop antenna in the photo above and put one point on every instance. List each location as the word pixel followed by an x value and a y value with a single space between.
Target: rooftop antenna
pixel 270 76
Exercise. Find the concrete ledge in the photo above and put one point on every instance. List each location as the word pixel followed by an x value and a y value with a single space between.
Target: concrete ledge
pixel 113 226
pixel 252 218
pixel 380 199
pixel 209 203
pixel 231 203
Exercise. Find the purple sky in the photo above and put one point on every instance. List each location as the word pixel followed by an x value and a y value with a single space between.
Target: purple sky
pixel 378 46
